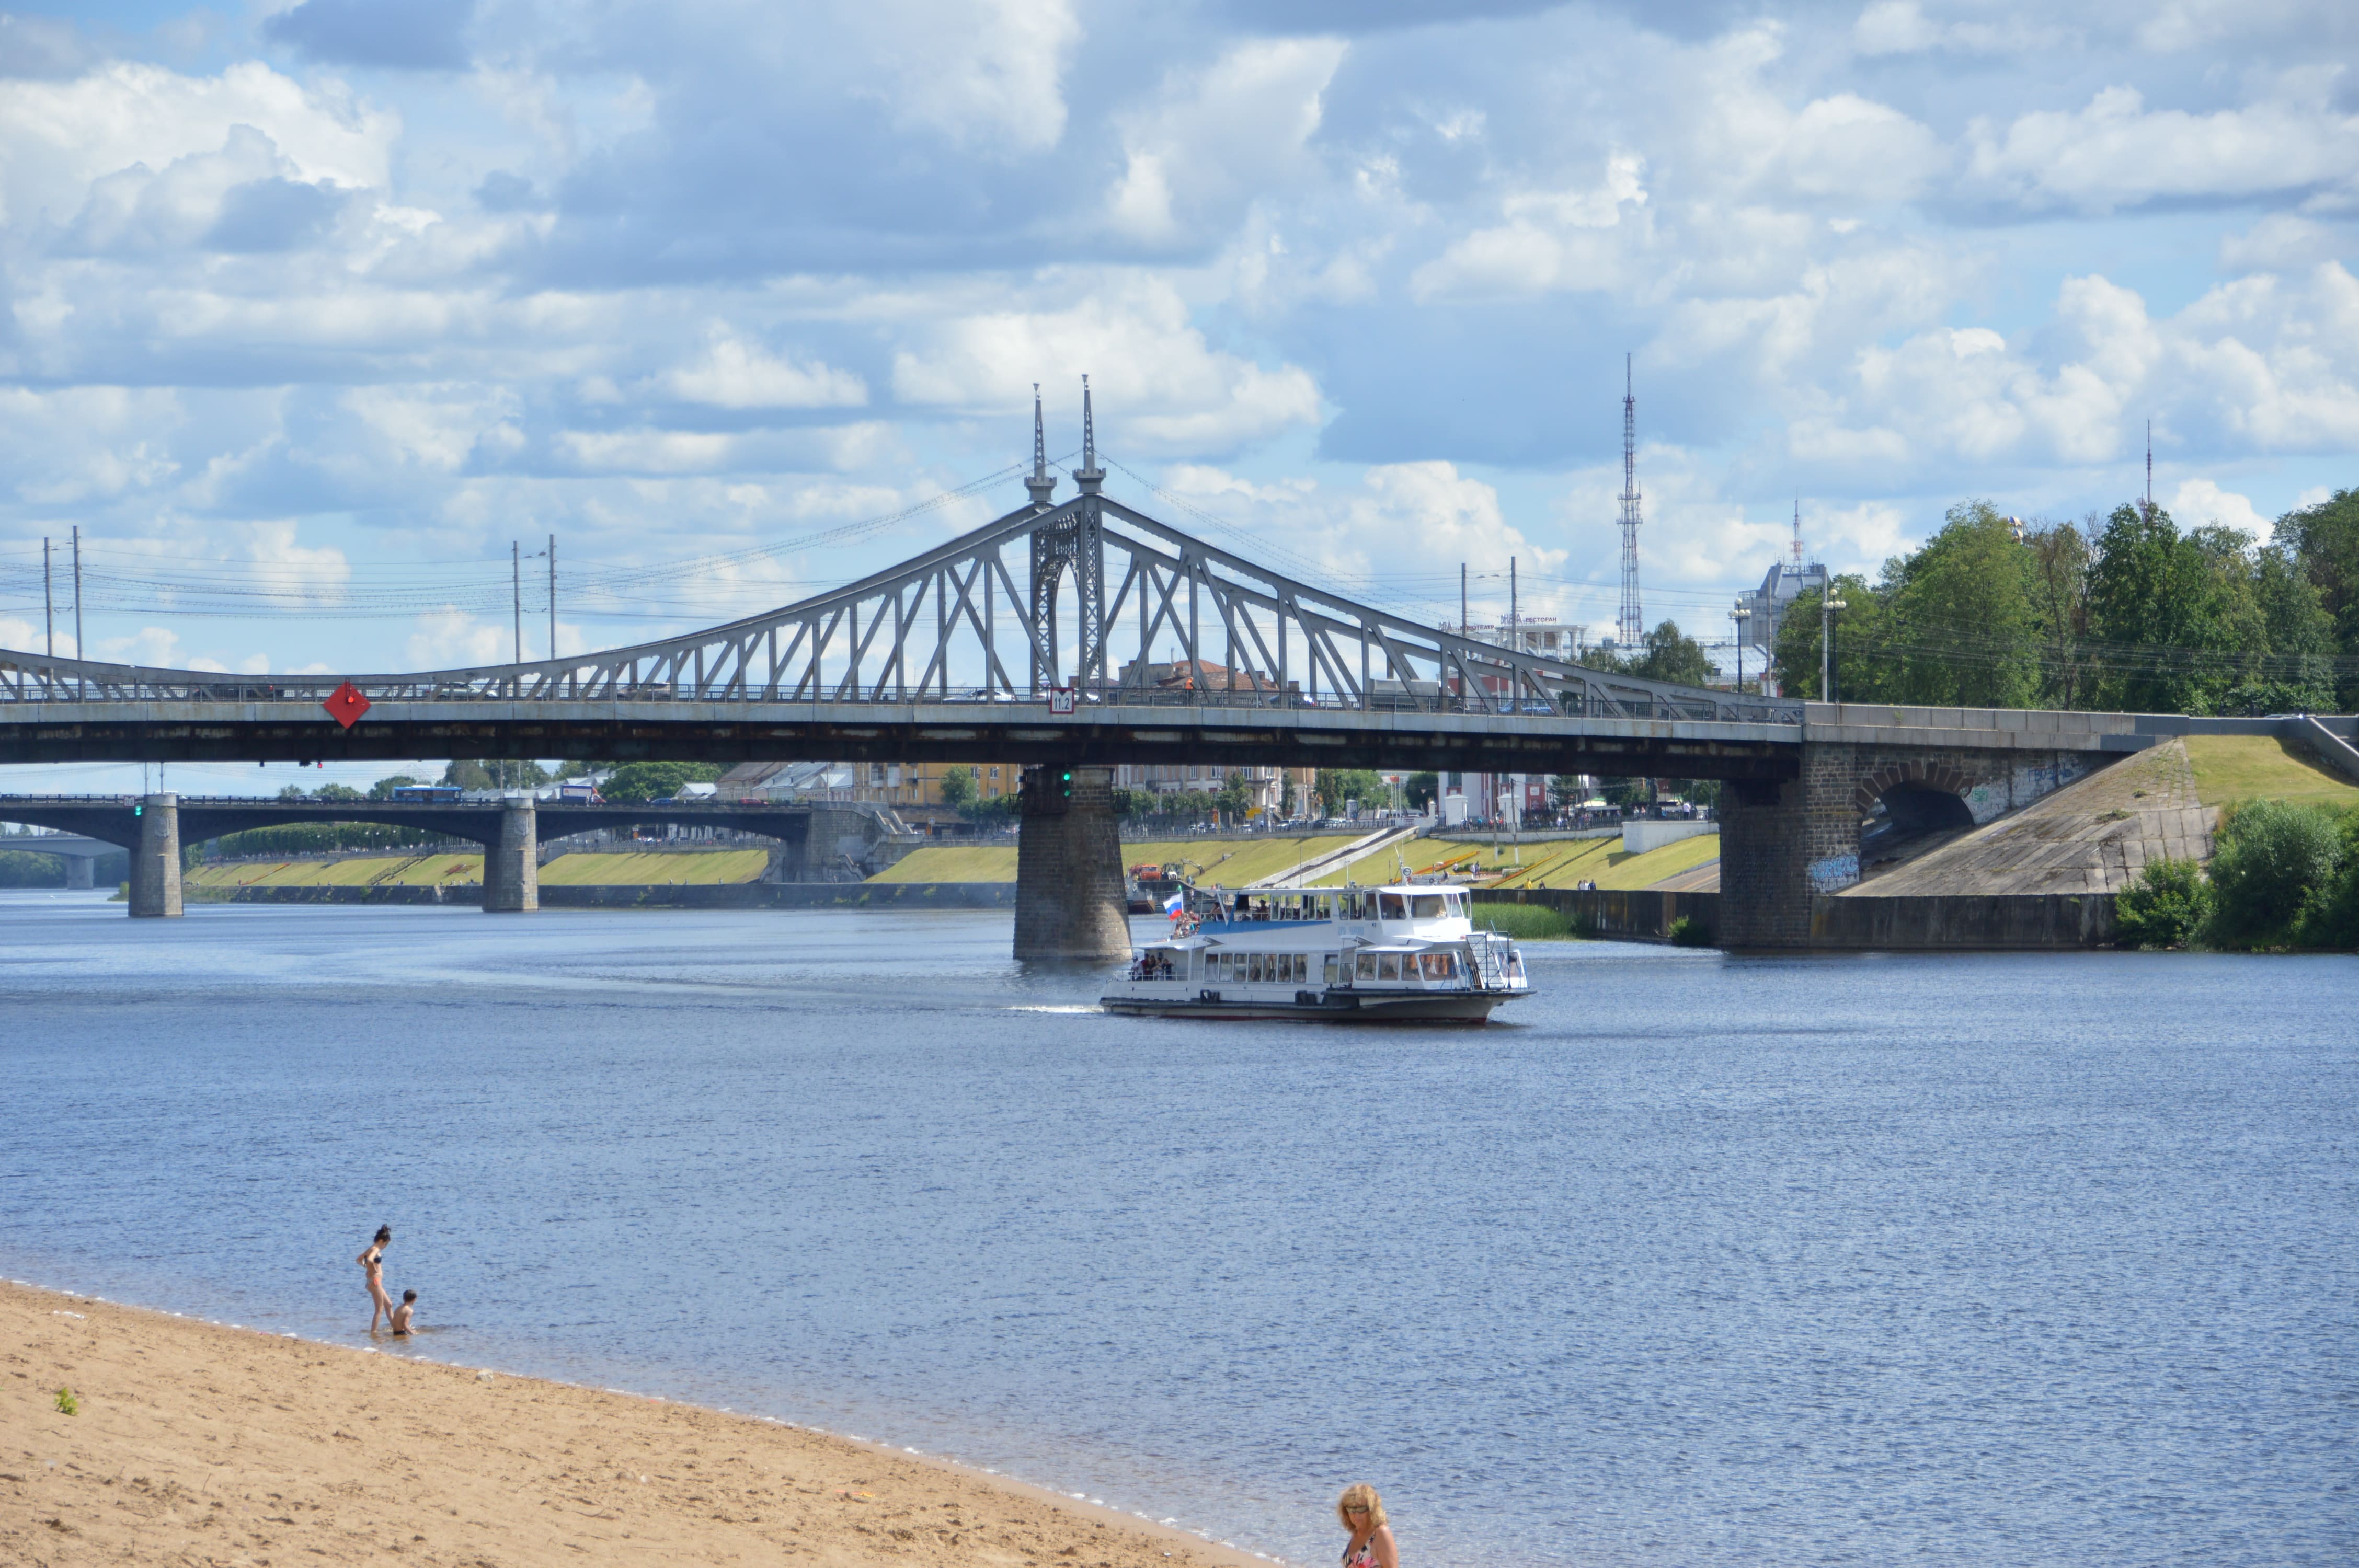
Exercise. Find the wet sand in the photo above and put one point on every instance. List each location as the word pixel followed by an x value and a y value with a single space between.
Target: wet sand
pixel 201 1444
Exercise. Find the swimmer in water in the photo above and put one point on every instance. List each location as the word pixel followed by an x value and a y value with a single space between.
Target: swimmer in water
pixel 401 1314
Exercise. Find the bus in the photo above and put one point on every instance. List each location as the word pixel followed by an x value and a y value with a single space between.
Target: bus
pixel 426 795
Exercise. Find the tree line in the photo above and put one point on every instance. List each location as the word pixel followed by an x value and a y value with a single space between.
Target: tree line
pixel 2127 612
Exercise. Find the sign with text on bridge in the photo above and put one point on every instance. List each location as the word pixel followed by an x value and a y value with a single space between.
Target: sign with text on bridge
pixel 1060 699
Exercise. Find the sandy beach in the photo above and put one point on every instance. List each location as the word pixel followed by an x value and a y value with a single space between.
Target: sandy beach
pixel 200 1444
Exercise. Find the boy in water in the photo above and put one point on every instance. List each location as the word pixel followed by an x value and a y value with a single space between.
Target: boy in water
pixel 401 1314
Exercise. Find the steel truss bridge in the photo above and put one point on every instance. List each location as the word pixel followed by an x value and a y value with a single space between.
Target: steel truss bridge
pixel 1030 639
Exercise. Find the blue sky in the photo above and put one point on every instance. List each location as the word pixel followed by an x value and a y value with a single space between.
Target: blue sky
pixel 311 309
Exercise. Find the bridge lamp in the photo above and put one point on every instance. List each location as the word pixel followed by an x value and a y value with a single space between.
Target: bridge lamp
pixel 1740 615
pixel 1827 608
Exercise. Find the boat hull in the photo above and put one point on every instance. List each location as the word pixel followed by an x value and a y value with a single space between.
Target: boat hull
pixel 1450 1007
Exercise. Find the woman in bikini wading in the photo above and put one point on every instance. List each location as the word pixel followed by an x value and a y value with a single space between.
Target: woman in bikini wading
pixel 1363 1513
pixel 371 1259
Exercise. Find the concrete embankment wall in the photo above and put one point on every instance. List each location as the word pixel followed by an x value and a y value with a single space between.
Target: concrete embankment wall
pixel 1962 923
pixel 725 896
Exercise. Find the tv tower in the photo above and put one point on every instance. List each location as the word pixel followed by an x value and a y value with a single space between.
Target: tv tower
pixel 1632 627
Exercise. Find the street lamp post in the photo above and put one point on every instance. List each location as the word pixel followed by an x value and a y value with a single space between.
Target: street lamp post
pixel 1740 615
pixel 1827 608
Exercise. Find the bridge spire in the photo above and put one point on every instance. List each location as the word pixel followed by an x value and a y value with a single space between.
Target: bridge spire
pixel 1091 478
pixel 1041 484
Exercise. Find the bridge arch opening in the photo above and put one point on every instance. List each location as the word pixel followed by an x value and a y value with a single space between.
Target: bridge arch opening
pixel 1905 808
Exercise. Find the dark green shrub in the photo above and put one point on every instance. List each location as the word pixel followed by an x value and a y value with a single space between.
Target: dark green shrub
pixel 2332 920
pixel 1687 933
pixel 2270 863
pixel 2165 907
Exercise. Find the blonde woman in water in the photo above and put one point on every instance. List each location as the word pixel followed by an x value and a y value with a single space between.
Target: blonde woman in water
pixel 371 1259
pixel 1363 1513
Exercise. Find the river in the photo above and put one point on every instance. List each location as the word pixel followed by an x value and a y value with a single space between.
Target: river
pixel 1999 1258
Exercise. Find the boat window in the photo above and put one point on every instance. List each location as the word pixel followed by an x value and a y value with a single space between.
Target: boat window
pixel 1392 905
pixel 1332 967
pixel 1447 964
pixel 1367 966
pixel 1253 968
pixel 1456 904
pixel 1388 966
pixel 1427 906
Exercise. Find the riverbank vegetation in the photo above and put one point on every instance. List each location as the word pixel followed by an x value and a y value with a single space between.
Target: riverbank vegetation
pixel 2126 612
pixel 2283 875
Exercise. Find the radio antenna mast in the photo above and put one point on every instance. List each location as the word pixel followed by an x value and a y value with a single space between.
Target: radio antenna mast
pixel 1632 626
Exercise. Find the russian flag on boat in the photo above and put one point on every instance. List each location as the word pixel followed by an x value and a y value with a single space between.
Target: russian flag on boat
pixel 1174 904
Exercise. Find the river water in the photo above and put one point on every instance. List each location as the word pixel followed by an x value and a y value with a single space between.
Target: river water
pixel 1699 1259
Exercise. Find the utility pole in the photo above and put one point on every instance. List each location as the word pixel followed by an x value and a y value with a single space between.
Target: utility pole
pixel 49 604
pixel 1828 605
pixel 1740 615
pixel 1513 620
pixel 552 597
pixel 2149 470
pixel 1463 629
pixel 78 654
pixel 516 587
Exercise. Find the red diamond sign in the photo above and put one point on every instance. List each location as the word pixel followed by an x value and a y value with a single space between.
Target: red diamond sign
pixel 345 705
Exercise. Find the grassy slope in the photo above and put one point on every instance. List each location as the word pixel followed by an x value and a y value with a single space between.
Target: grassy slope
pixel 1231 862
pixel 414 870
pixel 2230 768
pixel 1554 865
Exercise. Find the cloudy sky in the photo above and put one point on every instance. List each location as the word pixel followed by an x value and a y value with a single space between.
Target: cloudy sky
pixel 311 309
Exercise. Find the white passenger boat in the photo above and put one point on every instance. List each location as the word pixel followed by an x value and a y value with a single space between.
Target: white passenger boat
pixel 1406 954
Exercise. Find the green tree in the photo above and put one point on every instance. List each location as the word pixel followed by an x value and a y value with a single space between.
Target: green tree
pixel 2057 564
pixel 1235 795
pixel 1567 791
pixel 637 782
pixel 1959 624
pixel 383 789
pixel 1670 655
pixel 2299 673
pixel 1864 669
pixel 1422 790
pixel 957 788
pixel 2270 863
pixel 2158 597
pixel 2167 906
pixel 337 791
pixel 1337 785
pixel 2325 539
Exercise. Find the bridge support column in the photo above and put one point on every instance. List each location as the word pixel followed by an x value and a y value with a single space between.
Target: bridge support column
pixel 1070 902
pixel 78 870
pixel 156 869
pixel 512 867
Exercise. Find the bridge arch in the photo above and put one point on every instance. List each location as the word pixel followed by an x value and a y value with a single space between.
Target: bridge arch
pixel 1917 797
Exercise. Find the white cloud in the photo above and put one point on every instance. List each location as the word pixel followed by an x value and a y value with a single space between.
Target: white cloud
pixel 1565 239
pixel 2198 501
pixel 57 137
pixel 1154 371
pixel 450 639
pixel 1220 136
pixel 988 73
pixel 734 373
pixel 1901 27
pixel 2116 153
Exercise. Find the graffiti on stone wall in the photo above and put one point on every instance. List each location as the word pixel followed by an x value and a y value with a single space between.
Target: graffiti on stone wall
pixel 1834 874
pixel 1994 798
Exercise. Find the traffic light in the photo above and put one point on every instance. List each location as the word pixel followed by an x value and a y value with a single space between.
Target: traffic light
pixel 139 810
pixel 1065 784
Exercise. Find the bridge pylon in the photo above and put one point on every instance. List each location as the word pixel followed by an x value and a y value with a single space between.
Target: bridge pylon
pixel 156 866
pixel 512 866
pixel 1069 899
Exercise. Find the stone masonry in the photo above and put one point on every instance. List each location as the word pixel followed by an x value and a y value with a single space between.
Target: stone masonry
pixel 155 867
pixel 1785 842
pixel 1070 902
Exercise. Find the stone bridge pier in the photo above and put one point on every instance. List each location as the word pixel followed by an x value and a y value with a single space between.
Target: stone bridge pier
pixel 1786 843
pixel 1070 902
pixel 155 864
pixel 512 866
